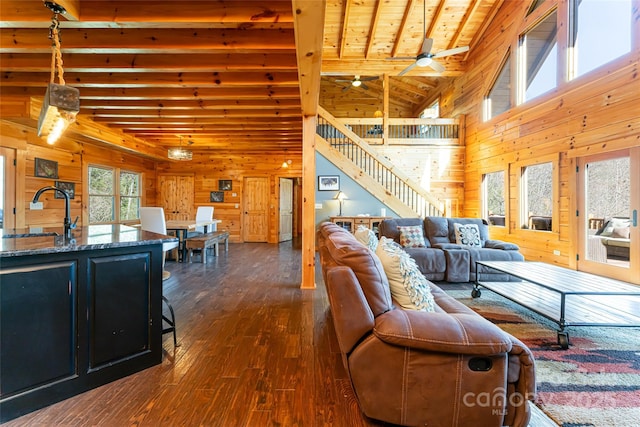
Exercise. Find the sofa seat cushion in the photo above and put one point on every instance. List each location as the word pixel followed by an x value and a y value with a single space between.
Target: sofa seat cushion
pixel 409 288
pixel 428 260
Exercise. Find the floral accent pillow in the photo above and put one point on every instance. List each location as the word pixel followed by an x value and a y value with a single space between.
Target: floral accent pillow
pixel 467 234
pixel 411 236
pixel 408 286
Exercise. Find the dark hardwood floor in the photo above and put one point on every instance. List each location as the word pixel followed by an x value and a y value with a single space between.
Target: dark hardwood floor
pixel 254 350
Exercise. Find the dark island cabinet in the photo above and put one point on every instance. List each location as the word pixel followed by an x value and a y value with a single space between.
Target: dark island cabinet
pixel 73 321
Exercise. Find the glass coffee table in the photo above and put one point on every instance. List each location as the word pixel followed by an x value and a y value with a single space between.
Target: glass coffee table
pixel 566 297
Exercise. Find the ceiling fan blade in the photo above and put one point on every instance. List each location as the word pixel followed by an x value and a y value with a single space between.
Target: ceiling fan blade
pixel 346 88
pixel 453 51
pixel 369 79
pixel 364 86
pixel 406 70
pixel 437 66
pixel 427 44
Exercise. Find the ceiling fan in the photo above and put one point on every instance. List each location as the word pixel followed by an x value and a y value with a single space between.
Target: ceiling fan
pixel 425 57
pixel 357 81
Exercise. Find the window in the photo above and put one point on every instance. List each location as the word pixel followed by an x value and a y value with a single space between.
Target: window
pixel 431 112
pixel 105 203
pixel 499 98
pixel 601 31
pixel 493 185
pixel 539 48
pixel 129 196
pixel 537 195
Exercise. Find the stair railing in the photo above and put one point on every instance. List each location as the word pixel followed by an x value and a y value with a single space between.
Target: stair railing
pixel 377 167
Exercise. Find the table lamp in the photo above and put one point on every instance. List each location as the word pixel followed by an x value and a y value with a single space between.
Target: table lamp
pixel 341 197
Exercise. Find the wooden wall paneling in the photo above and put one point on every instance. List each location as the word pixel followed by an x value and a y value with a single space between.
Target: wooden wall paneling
pixel 596 112
pixel 208 168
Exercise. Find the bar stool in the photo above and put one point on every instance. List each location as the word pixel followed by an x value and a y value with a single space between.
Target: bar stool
pixel 152 219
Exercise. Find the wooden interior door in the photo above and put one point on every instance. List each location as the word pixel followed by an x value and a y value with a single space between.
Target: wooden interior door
pixel 176 196
pixel 256 209
pixel 286 210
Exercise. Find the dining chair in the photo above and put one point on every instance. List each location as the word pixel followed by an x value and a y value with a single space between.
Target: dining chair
pixel 203 213
pixel 152 219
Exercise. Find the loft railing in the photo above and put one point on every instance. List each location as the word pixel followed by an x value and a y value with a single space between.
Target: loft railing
pixel 405 131
pixel 345 141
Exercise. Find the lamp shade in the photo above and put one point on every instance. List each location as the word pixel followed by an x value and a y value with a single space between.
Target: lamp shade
pixel 180 153
pixel 60 108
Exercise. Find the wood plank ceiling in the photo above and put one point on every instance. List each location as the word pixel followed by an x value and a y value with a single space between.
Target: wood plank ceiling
pixel 222 74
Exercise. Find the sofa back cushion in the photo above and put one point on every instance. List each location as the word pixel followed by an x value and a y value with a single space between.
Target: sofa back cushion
pixel 483 227
pixel 437 230
pixel 389 228
pixel 342 248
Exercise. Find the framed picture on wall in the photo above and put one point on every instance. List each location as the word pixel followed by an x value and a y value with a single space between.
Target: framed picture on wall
pixel 328 182
pixel 224 185
pixel 69 187
pixel 46 168
pixel 216 196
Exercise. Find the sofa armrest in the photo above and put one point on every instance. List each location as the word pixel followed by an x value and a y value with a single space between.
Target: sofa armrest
pixel 460 333
pixel 352 317
pixel 444 246
pixel 499 244
pixel 521 376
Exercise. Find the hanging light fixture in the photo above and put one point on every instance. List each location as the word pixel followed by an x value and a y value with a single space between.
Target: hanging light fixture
pixel 180 153
pixel 61 102
pixel 286 163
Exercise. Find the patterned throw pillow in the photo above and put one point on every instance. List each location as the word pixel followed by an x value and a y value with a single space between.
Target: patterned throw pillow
pixel 411 236
pixel 409 288
pixel 367 237
pixel 468 235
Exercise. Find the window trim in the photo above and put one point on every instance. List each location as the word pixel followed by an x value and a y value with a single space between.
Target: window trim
pixel 516 175
pixel 116 173
pixel 505 193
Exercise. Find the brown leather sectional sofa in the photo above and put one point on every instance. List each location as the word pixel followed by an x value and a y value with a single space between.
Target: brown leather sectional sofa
pixel 448 368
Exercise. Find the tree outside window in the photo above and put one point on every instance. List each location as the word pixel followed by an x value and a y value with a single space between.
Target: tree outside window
pixel 105 203
pixel 493 198
pixel 537 196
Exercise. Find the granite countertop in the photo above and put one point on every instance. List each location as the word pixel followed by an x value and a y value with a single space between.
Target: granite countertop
pixel 21 242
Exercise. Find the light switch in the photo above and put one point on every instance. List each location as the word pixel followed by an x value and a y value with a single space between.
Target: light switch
pixel 318 205
pixel 37 206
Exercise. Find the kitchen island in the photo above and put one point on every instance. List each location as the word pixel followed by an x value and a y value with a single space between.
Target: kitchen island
pixel 76 313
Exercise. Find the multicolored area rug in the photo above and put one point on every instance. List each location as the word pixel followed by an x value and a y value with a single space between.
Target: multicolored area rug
pixel 596 382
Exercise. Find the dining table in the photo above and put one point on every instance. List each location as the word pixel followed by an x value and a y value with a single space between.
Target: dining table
pixel 182 226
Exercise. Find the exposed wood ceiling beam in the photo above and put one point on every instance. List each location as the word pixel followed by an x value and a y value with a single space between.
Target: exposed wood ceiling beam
pixel 372 29
pixel 168 79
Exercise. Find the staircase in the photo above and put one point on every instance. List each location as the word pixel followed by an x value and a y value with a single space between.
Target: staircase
pixel 341 146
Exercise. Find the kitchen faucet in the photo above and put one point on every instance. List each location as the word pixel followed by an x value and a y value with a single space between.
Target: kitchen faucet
pixel 67 208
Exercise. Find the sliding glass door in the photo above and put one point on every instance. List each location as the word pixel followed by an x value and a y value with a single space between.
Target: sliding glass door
pixel 608 198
